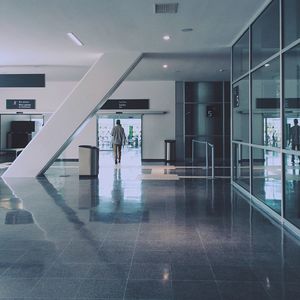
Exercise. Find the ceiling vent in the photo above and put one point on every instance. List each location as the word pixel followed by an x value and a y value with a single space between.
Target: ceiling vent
pixel 166 8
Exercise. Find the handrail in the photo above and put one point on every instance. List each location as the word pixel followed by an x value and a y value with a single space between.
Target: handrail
pixel 206 155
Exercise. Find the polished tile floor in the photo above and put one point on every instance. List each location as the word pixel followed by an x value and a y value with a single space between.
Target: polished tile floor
pixel 125 236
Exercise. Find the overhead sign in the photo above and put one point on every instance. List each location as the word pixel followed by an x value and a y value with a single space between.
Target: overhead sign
pixel 273 103
pixel 126 104
pixel 20 104
pixel 22 80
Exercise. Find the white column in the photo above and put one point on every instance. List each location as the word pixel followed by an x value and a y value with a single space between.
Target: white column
pixel 103 78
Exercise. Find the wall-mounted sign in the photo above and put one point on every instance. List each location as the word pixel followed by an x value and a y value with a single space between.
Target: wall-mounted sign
pixel 20 104
pixel 292 103
pixel 22 80
pixel 265 103
pixel 126 104
pixel 210 111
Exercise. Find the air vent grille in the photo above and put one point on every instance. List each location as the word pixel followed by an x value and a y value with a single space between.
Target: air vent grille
pixel 166 8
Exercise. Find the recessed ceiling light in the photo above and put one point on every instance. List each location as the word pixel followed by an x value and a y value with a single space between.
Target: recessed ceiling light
pixel 267 65
pixel 75 39
pixel 166 37
pixel 221 70
pixel 187 29
pixel 165 66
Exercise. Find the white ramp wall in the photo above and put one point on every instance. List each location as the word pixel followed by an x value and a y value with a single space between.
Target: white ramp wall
pixel 72 115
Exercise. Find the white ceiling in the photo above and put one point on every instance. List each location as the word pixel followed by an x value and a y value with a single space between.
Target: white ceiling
pixel 34 36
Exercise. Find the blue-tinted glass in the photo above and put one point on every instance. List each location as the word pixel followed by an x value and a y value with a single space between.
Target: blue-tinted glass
pixel 240 56
pixel 266 181
pixel 292 191
pixel 266 125
pixel 240 110
pixel 241 165
pixel 291 74
pixel 265 34
pixel 291 21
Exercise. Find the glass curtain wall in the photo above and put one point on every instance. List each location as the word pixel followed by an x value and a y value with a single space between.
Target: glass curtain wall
pixel 266 111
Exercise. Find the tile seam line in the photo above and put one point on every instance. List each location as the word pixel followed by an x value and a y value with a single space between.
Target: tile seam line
pixel 210 266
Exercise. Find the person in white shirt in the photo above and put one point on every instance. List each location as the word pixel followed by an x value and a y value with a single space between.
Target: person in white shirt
pixel 118 139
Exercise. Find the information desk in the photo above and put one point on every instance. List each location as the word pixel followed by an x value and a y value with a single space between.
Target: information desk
pixel 16 151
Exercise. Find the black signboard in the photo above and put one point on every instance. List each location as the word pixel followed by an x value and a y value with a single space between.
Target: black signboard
pixel 20 104
pixel 22 80
pixel 272 103
pixel 126 104
pixel 292 103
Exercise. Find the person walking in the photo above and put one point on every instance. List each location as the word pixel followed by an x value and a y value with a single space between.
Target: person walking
pixel 294 138
pixel 118 139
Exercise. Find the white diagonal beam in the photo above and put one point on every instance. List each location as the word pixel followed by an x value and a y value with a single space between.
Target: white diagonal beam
pixel 72 115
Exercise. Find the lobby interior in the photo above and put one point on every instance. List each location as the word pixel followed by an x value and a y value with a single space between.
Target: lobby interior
pixel 150 228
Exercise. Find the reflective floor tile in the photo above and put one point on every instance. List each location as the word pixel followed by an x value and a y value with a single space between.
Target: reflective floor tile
pixel 192 290
pixel 150 271
pixel 50 287
pixel 242 290
pixel 92 288
pixel 12 288
pixel 191 272
pixel 234 273
pixel 68 270
pixel 149 289
pixel 109 271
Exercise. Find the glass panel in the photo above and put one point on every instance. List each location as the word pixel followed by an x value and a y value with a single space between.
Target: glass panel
pixel 240 111
pixel 266 182
pixel 241 168
pixel 240 56
pixel 265 34
pixel 292 98
pixel 266 129
pixel 292 192
pixel 291 21
pixel 105 127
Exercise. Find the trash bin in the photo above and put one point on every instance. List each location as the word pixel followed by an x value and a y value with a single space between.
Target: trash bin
pixel 88 160
pixel 170 150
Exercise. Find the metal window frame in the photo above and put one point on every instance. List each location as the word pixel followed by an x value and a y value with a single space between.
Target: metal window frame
pixel 279 218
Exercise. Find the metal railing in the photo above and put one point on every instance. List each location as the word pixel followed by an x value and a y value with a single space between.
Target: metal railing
pixel 207 144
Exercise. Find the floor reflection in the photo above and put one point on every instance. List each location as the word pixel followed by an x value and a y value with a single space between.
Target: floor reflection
pixel 121 236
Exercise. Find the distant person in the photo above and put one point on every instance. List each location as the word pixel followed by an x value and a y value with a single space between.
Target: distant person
pixel 118 139
pixel 274 139
pixel 294 138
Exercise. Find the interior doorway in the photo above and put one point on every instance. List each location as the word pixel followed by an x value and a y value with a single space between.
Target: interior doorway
pixel 132 125
pixel 272 131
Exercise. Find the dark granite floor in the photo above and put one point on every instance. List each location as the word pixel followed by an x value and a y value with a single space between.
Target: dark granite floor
pixel 120 237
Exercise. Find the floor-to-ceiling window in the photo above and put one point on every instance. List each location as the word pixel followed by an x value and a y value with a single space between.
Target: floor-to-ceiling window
pixel 266 110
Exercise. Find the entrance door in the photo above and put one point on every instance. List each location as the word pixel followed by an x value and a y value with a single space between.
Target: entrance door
pixel 271 131
pixel 133 130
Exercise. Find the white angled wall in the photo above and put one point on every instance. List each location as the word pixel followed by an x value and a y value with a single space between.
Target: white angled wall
pixel 73 114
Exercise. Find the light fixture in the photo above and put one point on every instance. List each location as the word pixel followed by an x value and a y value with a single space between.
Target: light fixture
pixel 267 65
pixel 165 66
pixel 166 37
pixel 75 39
pixel 187 29
pixel 221 70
